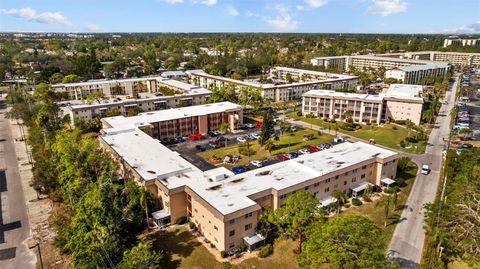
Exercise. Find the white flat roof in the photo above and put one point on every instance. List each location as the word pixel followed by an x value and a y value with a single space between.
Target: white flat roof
pixel 328 200
pixel 253 238
pixel 362 186
pixel 121 122
pixel 404 90
pixel 328 93
pixel 105 81
pixel 388 181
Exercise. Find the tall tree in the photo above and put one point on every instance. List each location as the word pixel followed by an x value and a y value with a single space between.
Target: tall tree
pixel 292 219
pixel 344 242
pixel 267 127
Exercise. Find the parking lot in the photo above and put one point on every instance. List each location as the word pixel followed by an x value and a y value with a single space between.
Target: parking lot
pixel 474 108
pixel 189 151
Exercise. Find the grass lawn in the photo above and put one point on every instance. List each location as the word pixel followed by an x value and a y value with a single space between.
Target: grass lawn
pixel 287 143
pixel 181 250
pixel 388 135
pixel 375 212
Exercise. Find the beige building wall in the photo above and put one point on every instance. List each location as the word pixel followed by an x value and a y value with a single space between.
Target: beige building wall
pixel 401 110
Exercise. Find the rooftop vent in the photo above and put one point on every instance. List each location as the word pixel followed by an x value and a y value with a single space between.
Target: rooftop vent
pixel 237 180
pixel 151 172
pixel 214 188
pixel 264 173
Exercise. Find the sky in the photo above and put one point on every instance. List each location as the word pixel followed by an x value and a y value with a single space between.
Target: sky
pixel 308 16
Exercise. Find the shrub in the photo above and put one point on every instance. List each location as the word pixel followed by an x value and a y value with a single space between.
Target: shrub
pixel 266 251
pixel 411 139
pixel 212 245
pixel 401 122
pixel 356 202
pixel 403 143
pixel 206 241
pixel 390 190
pixel 319 133
pixel 333 121
pixel 223 254
pixel 366 198
pixel 299 113
pixel 346 205
pixel 242 246
pixel 181 220
pixel 400 182
pixel 310 116
pixel 394 127
pixel 192 226
pixel 227 265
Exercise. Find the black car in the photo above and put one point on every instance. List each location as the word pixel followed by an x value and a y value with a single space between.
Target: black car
pixel 200 148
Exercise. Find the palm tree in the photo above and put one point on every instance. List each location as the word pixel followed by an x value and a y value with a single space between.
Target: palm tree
pixel 386 208
pixel 341 198
pixel 268 145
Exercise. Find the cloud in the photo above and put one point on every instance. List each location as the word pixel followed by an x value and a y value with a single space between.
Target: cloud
pixel 92 27
pixel 472 28
pixel 283 21
pixel 300 7
pixel 316 3
pixel 32 15
pixel 173 2
pixel 387 7
pixel 231 10
pixel 205 2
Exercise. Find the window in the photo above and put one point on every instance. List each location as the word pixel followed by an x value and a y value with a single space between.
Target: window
pixel 315 193
pixel 316 184
pixel 231 233
pixel 248 215
pixel 283 196
pixel 327 189
pixel 336 177
pixel 364 167
pixel 345 182
pixel 327 180
pixel 215 227
pixel 231 245
pixel 354 179
pixel 248 227
pixel 306 188
pixel 232 221
pixel 362 176
pixel 346 173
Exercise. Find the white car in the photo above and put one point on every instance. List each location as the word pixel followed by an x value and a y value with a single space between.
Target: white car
pixel 256 163
pixel 255 136
pixel 425 169
pixel 293 128
pixel 241 139
pixel 250 125
pixel 304 151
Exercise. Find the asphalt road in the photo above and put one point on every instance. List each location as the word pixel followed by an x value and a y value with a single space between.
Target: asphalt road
pixel 408 239
pixel 14 225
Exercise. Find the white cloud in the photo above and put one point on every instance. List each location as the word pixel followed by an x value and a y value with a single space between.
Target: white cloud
pixel 300 7
pixel 92 27
pixel 173 2
pixel 316 3
pixel 281 8
pixel 472 28
pixel 231 10
pixel 32 15
pixel 282 23
pixel 387 7
pixel 205 2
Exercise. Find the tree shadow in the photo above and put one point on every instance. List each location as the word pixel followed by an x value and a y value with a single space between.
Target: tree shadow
pixel 283 146
pixel 174 245
pixel 405 263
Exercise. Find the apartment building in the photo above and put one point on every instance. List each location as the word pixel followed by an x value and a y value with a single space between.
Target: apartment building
pixel 460 42
pixel 305 75
pixel 335 62
pixel 275 92
pixel 408 70
pixel 147 102
pixel 226 207
pixel 399 102
pixel 454 58
pixel 81 90
pixel 184 121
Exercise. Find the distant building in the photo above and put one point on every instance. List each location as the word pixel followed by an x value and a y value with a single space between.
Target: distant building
pixel 409 71
pixel 454 58
pixel 400 102
pixel 173 75
pixel 460 42
pixel 279 92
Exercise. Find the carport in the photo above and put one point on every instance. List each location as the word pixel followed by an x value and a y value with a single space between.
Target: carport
pixel 161 218
pixel 254 241
pixel 386 183
pixel 360 189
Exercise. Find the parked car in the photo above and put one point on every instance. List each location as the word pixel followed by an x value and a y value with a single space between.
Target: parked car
pixel 338 140
pixel 200 148
pixel 467 146
pixel 425 169
pixel 283 158
pixel 256 163
pixel 250 125
pixel 179 139
pixel 221 138
pixel 313 149
pixel 305 151
pixel 194 137
pixel 213 133
pixel 293 128
pixel 256 136
pixel 239 170
pixel 241 139
pixel 250 137
pixel 292 155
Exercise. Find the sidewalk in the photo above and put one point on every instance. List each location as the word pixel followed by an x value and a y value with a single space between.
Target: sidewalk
pixel 38 210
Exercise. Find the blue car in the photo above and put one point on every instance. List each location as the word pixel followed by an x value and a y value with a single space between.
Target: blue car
pixel 179 139
pixel 239 170
pixel 292 155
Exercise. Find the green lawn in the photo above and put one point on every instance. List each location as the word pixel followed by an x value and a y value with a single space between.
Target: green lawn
pixel 375 212
pixel 181 250
pixel 287 143
pixel 388 135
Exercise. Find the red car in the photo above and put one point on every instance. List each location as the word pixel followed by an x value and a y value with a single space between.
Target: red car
pixel 194 137
pixel 259 123
pixel 282 158
pixel 313 149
